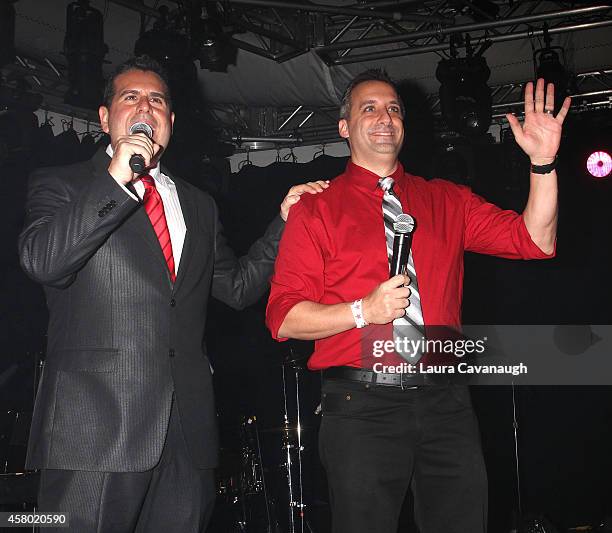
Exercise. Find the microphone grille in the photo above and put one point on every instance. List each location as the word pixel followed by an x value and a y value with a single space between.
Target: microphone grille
pixel 403 223
pixel 141 127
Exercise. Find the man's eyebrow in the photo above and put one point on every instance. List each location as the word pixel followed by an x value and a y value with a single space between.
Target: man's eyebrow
pixel 136 91
pixel 374 101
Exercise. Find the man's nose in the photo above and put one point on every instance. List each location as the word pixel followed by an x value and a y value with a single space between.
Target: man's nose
pixel 384 117
pixel 143 104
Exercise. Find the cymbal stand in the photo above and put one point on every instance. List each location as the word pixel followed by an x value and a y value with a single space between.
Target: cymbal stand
pixel 289 464
pixel 257 472
pixel 288 446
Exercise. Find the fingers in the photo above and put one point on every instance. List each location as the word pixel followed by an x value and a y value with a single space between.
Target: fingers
pixel 401 280
pixel 291 200
pixel 539 96
pixel 550 97
pixel 515 125
pixel 312 187
pixel 564 110
pixel 136 144
pixel 528 98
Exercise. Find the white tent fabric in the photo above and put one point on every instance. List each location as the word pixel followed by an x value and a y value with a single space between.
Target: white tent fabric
pixel 304 80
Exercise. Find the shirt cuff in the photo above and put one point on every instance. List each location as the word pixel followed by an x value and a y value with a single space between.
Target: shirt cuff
pixel 128 192
pixel 277 312
pixel 530 249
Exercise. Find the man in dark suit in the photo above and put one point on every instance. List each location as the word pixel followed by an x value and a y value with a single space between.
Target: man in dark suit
pixel 124 427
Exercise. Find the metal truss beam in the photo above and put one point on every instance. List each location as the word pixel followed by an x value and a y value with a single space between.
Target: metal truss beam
pixel 494 39
pixel 308 7
pixel 592 90
pixel 441 33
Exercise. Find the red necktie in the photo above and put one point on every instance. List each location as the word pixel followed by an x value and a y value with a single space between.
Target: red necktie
pixel 155 209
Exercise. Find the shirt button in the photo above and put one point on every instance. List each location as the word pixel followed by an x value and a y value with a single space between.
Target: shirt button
pixel 172 302
pixel 171 353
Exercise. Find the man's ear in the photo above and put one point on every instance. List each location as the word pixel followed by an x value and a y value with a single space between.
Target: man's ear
pixel 171 122
pixel 343 128
pixel 103 114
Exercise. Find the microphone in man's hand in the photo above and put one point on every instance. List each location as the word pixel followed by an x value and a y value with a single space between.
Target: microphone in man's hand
pixel 137 162
pixel 403 227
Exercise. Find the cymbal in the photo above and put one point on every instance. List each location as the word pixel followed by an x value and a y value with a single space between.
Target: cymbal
pixel 282 429
pixel 296 359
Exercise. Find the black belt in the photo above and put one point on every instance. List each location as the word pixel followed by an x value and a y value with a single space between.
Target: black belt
pixel 404 380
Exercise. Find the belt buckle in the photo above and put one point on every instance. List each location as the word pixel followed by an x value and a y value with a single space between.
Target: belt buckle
pixel 404 376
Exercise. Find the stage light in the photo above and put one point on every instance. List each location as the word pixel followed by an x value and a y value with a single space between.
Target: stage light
pixel 209 43
pixel 168 43
pixel 550 64
pixel 599 164
pixel 465 98
pixel 84 49
pixel 7 31
pixel 451 164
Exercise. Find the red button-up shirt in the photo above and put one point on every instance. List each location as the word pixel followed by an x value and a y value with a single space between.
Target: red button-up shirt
pixel 334 250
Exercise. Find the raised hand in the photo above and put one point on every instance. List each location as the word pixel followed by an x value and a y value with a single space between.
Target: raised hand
pixel 540 133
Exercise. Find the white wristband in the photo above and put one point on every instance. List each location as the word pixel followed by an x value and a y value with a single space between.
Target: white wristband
pixel 357 309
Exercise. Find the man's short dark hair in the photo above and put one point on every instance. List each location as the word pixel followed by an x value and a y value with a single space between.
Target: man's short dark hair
pixel 142 62
pixel 374 74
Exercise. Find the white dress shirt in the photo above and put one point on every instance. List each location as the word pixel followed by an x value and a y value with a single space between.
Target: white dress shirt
pixel 172 207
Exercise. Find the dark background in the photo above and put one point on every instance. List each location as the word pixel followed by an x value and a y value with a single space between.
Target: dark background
pixel 564 433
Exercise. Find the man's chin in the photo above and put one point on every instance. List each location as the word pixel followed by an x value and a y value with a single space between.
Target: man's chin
pixel 385 148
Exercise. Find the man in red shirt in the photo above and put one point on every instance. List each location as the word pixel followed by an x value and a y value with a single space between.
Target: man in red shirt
pixel 381 433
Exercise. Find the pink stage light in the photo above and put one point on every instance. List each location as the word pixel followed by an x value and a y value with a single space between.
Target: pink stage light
pixel 599 164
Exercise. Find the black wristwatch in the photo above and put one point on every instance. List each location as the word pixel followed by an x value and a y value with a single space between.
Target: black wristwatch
pixel 544 169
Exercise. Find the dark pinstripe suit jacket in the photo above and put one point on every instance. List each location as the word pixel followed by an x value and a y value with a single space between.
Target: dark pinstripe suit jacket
pixel 121 337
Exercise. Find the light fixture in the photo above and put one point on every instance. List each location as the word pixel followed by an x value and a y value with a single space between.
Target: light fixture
pixel 210 46
pixel 7 31
pixel 169 44
pixel 599 164
pixel 465 97
pixel 549 63
pixel 84 49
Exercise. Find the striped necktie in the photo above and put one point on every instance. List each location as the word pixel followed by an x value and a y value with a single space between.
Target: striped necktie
pixel 155 209
pixel 410 326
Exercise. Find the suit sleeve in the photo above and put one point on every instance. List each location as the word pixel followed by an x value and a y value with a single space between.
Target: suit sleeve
pixel 241 282
pixel 65 225
pixel 494 231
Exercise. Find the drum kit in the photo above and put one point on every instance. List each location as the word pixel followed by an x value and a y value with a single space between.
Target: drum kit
pixel 18 487
pixel 253 497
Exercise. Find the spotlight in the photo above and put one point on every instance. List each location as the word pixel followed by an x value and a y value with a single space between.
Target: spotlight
pixel 168 43
pixel 7 31
pixel 451 164
pixel 84 49
pixel 465 98
pixel 549 64
pixel 209 43
pixel 599 164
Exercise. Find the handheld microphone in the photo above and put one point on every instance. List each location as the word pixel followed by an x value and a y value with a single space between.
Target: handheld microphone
pixel 137 162
pixel 403 227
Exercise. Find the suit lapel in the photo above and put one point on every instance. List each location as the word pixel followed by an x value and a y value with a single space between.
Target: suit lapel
pixel 189 211
pixel 138 223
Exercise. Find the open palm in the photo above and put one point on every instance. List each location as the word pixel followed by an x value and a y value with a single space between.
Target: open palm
pixel 540 133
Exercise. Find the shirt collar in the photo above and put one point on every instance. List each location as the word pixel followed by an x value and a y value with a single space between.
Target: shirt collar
pixel 155 172
pixel 363 177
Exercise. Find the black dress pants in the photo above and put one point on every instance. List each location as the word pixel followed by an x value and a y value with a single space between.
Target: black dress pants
pixel 172 497
pixel 376 442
